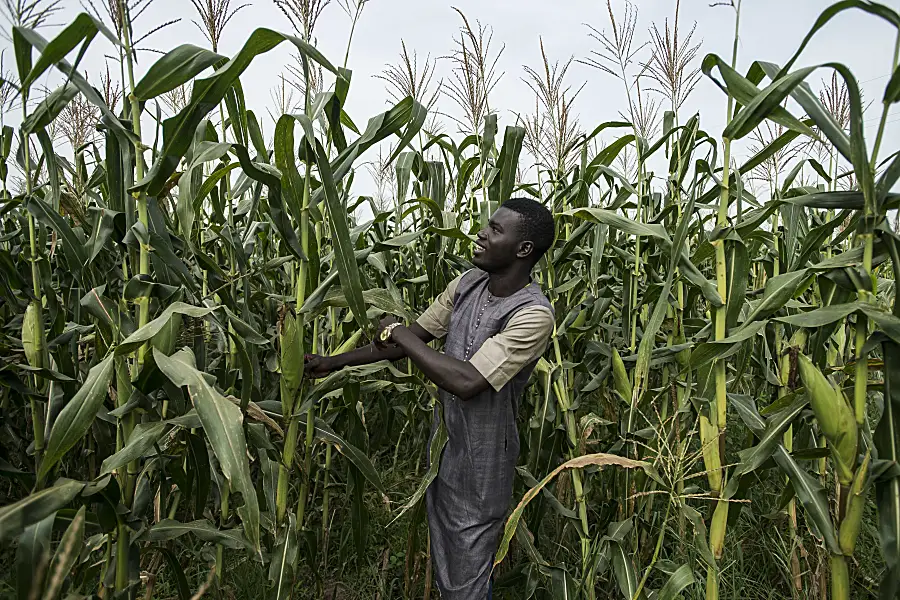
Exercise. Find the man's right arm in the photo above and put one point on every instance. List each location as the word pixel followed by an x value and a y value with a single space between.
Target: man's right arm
pixel 431 325
pixel 372 353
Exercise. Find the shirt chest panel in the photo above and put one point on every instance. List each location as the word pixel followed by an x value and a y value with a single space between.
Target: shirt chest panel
pixel 478 317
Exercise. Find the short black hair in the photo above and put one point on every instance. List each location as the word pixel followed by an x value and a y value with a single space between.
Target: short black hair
pixel 536 223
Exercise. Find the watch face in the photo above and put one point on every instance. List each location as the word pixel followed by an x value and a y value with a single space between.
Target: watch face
pixel 384 335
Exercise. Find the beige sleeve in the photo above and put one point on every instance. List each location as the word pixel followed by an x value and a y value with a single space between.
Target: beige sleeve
pixel 436 318
pixel 524 339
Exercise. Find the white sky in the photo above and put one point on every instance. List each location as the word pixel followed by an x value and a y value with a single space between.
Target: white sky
pixel 771 30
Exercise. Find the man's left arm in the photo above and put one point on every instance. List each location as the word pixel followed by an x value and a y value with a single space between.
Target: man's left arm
pixel 456 376
pixel 500 358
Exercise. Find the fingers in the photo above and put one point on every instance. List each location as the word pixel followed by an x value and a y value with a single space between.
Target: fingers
pixel 317 366
pixel 312 363
pixel 377 339
pixel 387 320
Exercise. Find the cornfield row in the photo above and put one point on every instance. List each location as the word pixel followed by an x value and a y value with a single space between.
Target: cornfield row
pixel 718 414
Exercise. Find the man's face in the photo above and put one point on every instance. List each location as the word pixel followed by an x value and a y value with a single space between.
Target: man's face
pixel 500 243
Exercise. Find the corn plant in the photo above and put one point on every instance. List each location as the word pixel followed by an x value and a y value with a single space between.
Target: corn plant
pixel 723 367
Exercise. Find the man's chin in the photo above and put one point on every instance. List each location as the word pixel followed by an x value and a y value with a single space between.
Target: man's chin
pixel 478 261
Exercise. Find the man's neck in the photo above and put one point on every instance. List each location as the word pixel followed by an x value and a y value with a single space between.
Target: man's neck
pixel 508 283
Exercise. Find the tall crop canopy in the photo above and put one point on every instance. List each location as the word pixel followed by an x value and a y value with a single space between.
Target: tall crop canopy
pixel 717 413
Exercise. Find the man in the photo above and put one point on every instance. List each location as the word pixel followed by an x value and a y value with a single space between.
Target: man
pixel 497 324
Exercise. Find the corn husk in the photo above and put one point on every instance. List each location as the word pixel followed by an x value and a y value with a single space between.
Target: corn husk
pixel 32 336
pixel 580 319
pixel 164 341
pixel 856 504
pixel 709 438
pixel 620 376
pixel 835 418
pixel 717 529
pixel 350 343
pixel 291 362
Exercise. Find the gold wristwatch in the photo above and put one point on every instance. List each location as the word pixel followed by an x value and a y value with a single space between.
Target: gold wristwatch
pixel 385 335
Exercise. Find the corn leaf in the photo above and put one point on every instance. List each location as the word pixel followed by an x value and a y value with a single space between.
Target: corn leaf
pixel 15 517
pixel 32 556
pixel 222 423
pixel 68 551
pixel 144 437
pixel 76 417
pixel 174 68
pixel 343 254
pixel 168 529
pixel 207 94
pixel 599 460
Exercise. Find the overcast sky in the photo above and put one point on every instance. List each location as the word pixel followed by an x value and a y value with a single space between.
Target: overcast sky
pixel 770 30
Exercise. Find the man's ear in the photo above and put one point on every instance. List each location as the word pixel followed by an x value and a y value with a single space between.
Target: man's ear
pixel 526 248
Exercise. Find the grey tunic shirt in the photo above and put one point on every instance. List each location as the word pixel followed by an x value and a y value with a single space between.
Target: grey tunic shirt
pixel 469 499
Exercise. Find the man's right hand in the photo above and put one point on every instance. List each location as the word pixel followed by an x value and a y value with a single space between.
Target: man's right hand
pixel 317 366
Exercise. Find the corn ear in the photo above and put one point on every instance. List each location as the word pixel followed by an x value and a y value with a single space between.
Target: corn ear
pixel 32 334
pixel 856 504
pixel 164 341
pixel 845 446
pixel 580 319
pixel 542 372
pixel 835 418
pixel 683 358
pixel 620 376
pixel 798 340
pixel 717 529
pixel 123 381
pixel 350 343
pixel 291 362
pixel 709 438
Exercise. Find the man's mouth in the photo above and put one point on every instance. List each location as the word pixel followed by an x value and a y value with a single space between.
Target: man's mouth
pixel 478 249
